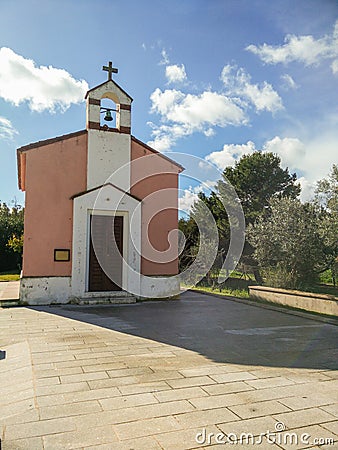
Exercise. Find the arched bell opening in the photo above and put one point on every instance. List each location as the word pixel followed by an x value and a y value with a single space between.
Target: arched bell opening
pixel 108 113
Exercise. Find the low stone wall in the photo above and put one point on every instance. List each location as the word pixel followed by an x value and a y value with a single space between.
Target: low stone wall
pixel 319 303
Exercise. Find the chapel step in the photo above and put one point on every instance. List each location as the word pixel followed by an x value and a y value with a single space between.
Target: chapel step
pixel 126 299
pixel 9 302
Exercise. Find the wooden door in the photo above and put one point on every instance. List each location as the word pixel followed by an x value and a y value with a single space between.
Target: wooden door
pixel 105 257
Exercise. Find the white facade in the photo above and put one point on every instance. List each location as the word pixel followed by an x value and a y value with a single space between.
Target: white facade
pixel 45 290
pixel 108 153
pixel 107 200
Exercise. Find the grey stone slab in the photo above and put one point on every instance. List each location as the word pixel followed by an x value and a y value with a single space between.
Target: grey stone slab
pixel 157 373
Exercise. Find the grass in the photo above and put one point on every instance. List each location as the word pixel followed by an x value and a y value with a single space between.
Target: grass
pixel 233 286
pixel 10 275
pixel 238 286
pixel 226 292
pixel 322 289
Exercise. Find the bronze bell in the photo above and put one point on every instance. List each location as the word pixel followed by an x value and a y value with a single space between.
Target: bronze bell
pixel 108 116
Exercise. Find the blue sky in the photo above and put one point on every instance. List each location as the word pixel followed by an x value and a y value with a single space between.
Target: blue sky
pixel 215 79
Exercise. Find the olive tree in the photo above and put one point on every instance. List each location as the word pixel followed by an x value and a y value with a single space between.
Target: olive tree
pixel 288 243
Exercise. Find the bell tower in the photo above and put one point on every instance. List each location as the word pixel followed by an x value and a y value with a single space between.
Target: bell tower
pixel 109 144
pixel 109 89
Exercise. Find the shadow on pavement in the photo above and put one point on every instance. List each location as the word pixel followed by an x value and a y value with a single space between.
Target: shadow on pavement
pixel 224 331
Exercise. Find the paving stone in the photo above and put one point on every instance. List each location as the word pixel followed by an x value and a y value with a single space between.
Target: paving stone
pixel 34 443
pixel 12 388
pixel 139 388
pixel 88 354
pixel 227 388
pixel 47 381
pixel 191 381
pixel 310 401
pixel 258 409
pixel 57 372
pixel 127 401
pixel 61 357
pixel 307 377
pixel 69 409
pixel 16 409
pixel 146 427
pixel 332 409
pixel 78 439
pixel 16 397
pixel 22 413
pixel 144 443
pixel 180 394
pixel 61 388
pixel 102 366
pixel 133 414
pixel 305 437
pixel 331 426
pixel 217 401
pixel 303 418
pixel 204 418
pixel 65 379
pixel 235 376
pixel 255 426
pixel 186 439
pixel 79 396
pixel 160 375
pixel 270 382
pixel 331 373
pixel 85 362
pixel 112 382
pixel 271 372
pixel 40 428
pixel 211 369
pixel 118 373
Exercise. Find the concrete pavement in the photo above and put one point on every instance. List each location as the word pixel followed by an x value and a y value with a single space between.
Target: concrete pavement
pixel 9 291
pixel 183 374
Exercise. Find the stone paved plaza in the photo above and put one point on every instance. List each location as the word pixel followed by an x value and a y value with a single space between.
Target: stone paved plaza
pixel 158 375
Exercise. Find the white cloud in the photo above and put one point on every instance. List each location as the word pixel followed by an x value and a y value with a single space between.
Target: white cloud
pixel 196 111
pixel 334 66
pixel 291 151
pixel 183 114
pixel 263 96
pixel 289 82
pixel 43 88
pixel 230 154
pixel 305 49
pixel 7 131
pixel 165 58
pixel 175 73
pixel 187 200
pixel 312 158
pixel 308 189
pixel 190 195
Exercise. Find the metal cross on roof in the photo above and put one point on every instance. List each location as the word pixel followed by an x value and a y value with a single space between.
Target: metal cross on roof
pixel 110 69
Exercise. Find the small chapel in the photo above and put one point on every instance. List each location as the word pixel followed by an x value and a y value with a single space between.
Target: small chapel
pixel 101 211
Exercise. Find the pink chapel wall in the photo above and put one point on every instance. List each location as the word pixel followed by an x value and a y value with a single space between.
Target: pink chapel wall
pixel 53 173
pixel 143 184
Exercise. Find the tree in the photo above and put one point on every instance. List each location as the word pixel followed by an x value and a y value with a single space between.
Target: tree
pixel 257 178
pixel 11 230
pixel 326 198
pixel 287 241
